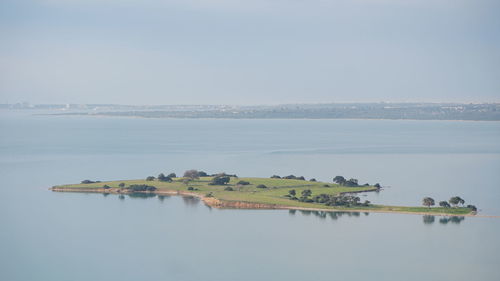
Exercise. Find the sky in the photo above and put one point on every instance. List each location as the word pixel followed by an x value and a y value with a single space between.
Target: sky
pixel 249 52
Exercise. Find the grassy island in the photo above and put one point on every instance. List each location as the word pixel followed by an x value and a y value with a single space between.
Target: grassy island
pixel 229 191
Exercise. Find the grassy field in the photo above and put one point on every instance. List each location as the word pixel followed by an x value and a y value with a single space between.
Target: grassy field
pixel 273 194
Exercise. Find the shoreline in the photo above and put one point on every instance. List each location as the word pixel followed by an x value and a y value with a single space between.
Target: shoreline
pixel 225 204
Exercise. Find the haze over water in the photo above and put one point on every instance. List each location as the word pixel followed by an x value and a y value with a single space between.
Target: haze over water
pixel 71 236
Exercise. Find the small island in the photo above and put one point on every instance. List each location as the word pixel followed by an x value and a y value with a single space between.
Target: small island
pixel 288 192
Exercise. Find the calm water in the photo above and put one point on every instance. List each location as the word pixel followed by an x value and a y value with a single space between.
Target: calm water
pixel 64 236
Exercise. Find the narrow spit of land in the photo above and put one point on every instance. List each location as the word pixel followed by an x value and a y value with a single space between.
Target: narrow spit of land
pixel 260 193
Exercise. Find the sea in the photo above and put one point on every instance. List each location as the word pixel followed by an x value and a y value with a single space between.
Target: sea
pixel 55 236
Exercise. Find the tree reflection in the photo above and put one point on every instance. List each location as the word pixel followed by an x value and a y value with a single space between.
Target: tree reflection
pixel 190 200
pixel 454 219
pixel 428 219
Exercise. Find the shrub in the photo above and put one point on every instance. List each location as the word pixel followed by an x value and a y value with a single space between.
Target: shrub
pixel 220 180
pixel 172 175
pixel 261 186
pixel 190 188
pixel 275 177
pixel 243 183
pixel 150 178
pixel 122 185
pixel 312 179
pixel 209 194
pixel 106 186
pixel 377 185
pixel 162 177
pixel 228 188
pixel 89 181
pixel 472 207
pixel 326 185
pixel 141 187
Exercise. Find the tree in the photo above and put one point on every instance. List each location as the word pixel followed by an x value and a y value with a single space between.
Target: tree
pixel 220 180
pixel 377 185
pixel 150 178
pixel 162 177
pixel 339 180
pixel 427 201
pixel 351 182
pixel 456 200
pixel 306 192
pixel 292 192
pixel 275 177
pixel 202 174
pixel 313 179
pixel 172 175
pixel 121 185
pixel 444 204
pixel 192 174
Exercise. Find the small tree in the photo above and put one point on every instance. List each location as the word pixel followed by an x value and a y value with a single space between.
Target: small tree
pixel 220 180
pixel 427 201
pixel 444 204
pixel 456 200
pixel 162 177
pixel 339 180
pixel 292 192
pixel 150 178
pixel 192 174
pixel 172 175
pixel 306 192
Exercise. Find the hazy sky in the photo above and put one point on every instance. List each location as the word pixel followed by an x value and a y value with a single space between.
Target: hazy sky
pixel 255 51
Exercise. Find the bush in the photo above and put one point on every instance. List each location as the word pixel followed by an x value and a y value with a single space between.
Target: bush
pixel 172 175
pixel 312 179
pixel 472 207
pixel 89 181
pixel 162 177
pixel 209 194
pixel 202 174
pixel 377 185
pixel 275 177
pixel 150 178
pixel 326 185
pixel 106 186
pixel 141 187
pixel 261 186
pixel 220 180
pixel 228 188
pixel 122 185
pixel 243 182
pixel 190 188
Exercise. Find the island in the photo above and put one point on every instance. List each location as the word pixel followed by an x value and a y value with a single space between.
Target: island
pixel 276 192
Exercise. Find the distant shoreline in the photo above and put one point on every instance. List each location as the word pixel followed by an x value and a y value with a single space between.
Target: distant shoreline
pixel 259 118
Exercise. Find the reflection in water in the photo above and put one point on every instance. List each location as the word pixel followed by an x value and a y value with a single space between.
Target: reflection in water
pixel 323 214
pixel 141 195
pixel 105 194
pixel 121 197
pixel 191 200
pixel 162 197
pixel 455 220
pixel 428 219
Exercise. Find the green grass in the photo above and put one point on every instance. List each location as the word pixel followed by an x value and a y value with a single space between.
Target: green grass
pixel 274 194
